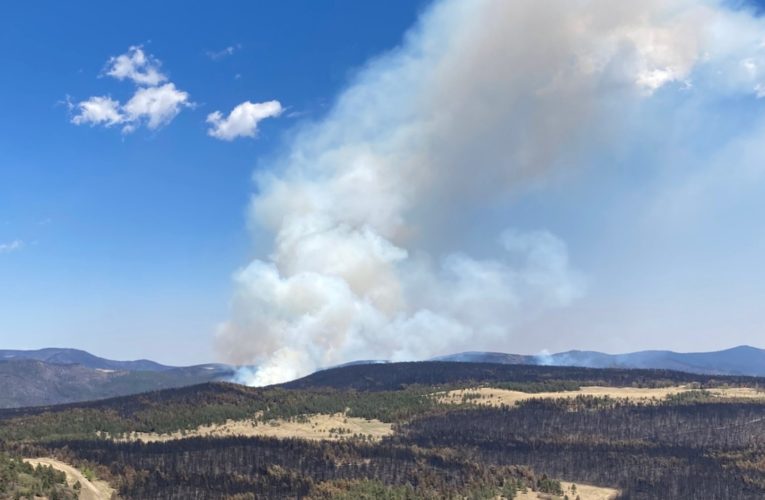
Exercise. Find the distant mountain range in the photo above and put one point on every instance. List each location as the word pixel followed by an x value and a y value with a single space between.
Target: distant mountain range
pixel 53 376
pixel 78 357
pixel 741 360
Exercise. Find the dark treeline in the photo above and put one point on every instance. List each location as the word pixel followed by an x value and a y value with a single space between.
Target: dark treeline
pixel 722 426
pixel 688 451
pixel 395 376
pixel 291 468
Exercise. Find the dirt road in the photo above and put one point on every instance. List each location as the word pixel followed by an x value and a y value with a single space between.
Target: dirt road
pixel 91 490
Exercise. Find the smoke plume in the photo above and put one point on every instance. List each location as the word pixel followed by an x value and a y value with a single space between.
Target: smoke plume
pixel 482 98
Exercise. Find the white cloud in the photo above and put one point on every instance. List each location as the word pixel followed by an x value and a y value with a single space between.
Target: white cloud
pixel 157 105
pixel 11 246
pixel 98 111
pixel 243 120
pixel 153 103
pixel 135 65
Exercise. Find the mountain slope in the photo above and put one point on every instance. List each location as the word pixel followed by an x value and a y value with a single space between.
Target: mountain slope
pixel 30 382
pixel 77 357
pixel 741 360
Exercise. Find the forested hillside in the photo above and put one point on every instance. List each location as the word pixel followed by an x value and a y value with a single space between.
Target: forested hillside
pixel 692 444
pixel 393 376
pixel 21 480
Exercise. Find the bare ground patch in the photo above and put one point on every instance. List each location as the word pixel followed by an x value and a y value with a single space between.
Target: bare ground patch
pixel 315 427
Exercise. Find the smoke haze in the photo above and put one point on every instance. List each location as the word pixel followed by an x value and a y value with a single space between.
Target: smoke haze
pixel 482 99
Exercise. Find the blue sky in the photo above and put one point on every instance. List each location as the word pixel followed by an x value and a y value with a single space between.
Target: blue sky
pixel 129 242
pixel 611 204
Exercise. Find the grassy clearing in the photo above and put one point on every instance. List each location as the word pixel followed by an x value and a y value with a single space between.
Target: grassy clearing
pixel 497 397
pixel 737 393
pixel 572 491
pixel 315 427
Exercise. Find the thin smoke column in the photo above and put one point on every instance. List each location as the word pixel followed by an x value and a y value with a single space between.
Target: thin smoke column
pixel 362 209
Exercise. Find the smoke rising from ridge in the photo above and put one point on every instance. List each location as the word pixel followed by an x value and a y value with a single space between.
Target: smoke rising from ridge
pixel 481 98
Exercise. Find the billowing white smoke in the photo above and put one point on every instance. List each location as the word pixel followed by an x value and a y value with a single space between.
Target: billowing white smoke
pixel 482 97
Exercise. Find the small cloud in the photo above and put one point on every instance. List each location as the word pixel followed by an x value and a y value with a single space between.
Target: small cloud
pixel 153 103
pixel 135 65
pixel 217 55
pixel 156 105
pixel 98 111
pixel 243 120
pixel 11 246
